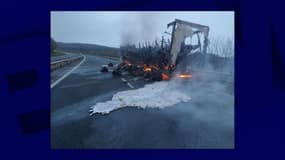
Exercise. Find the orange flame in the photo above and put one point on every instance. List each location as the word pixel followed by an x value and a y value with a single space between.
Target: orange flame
pixel 128 63
pixel 184 76
pixel 147 69
pixel 154 67
pixel 165 76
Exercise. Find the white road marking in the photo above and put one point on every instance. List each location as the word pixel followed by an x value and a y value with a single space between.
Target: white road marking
pixel 123 79
pixel 130 85
pixel 67 74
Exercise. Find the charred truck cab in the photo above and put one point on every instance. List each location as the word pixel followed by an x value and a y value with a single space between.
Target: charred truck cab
pixel 157 62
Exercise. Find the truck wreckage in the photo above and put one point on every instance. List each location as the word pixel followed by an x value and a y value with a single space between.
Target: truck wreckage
pixel 158 62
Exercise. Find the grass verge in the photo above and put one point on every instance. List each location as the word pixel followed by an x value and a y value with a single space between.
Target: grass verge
pixel 57 53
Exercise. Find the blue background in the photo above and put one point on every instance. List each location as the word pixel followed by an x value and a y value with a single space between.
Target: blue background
pixel 25 79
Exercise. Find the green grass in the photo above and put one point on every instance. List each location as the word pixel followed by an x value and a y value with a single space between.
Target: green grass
pixel 57 53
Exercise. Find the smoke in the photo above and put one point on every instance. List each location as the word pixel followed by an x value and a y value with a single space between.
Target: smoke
pixel 143 29
pixel 206 120
pixel 211 109
pixel 221 46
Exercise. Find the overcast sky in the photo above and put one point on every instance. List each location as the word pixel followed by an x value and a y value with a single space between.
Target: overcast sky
pixel 116 28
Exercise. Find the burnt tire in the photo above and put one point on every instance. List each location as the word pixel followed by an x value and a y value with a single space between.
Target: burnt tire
pixel 104 69
pixel 116 73
pixel 156 76
pixel 110 64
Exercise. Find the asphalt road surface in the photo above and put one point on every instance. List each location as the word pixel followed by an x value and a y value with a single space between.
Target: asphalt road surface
pixel 201 123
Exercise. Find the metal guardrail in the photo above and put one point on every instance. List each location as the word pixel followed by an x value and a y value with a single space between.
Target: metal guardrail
pixel 64 56
pixel 61 63
pixel 65 59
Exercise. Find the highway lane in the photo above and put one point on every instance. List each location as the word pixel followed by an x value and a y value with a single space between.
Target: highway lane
pixel 72 98
pixel 86 81
pixel 192 125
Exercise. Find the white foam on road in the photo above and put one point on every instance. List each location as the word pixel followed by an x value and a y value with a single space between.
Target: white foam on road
pixel 157 95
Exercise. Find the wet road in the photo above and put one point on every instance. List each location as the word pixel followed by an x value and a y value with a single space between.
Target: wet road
pixel 201 123
pixel 84 82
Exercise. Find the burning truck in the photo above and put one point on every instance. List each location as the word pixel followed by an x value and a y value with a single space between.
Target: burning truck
pixel 158 62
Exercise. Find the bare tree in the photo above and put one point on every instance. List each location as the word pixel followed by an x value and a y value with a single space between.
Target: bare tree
pixel 222 47
pixel 52 45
